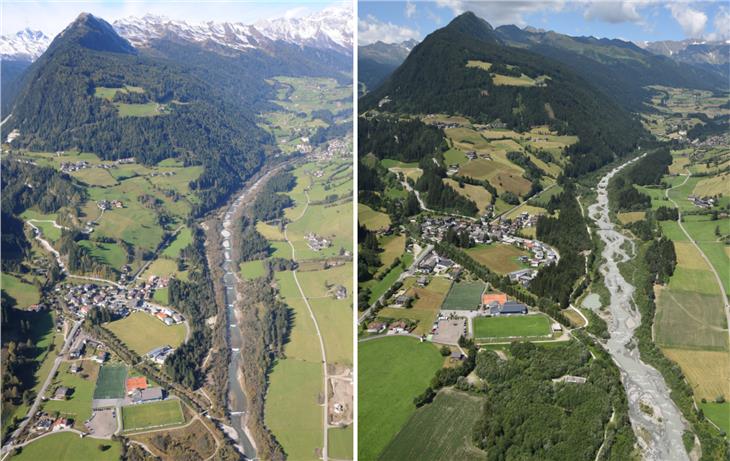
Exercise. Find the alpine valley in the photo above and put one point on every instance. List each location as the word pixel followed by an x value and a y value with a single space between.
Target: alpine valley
pixel 165 187
pixel 543 248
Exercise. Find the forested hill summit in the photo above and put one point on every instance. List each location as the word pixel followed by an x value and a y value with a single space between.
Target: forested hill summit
pixel 92 90
pixel 465 68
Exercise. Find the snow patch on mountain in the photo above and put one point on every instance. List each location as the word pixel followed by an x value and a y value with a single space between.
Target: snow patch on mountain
pixel 26 44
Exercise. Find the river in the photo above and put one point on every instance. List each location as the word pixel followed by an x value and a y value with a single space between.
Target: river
pixel 662 434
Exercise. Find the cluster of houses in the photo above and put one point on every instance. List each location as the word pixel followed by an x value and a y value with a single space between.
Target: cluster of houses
pixel 394 327
pixel 432 263
pixel 317 243
pixel 68 167
pixel 702 202
pixel 47 423
pixel 120 301
pixel 304 147
pixel 163 173
pixel 109 204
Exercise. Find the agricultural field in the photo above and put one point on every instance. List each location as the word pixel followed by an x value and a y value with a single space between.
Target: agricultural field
pixel 253 269
pixel 393 246
pixel 371 219
pixel 631 216
pixel 182 240
pixel 164 267
pixel 21 289
pixel 67 446
pixel 378 287
pixel 341 441
pixel 393 371
pixel 293 409
pixel 708 372
pixel 142 332
pixel 149 109
pixel 194 440
pixel 111 381
pixel 78 405
pixel 534 325
pixel 498 257
pixel 718 413
pixel 439 430
pixel 481 196
pixel 151 415
pixel 464 296
pixel 110 254
pixel 333 222
pixel 426 306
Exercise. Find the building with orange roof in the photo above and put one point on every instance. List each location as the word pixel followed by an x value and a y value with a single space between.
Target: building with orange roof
pixel 137 382
pixel 488 298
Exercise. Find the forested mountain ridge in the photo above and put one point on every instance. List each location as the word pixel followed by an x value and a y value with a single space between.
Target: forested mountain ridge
pixel 452 70
pixel 197 105
pixel 619 68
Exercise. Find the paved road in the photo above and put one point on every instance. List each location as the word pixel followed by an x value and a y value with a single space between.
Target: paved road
pixel 39 398
pixel 319 335
pixel 704 256
pixel 661 437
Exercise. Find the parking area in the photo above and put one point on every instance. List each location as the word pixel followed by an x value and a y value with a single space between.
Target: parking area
pixel 103 423
pixel 450 330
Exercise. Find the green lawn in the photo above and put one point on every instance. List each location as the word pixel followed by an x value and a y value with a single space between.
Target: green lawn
pixel 464 296
pixel 182 240
pixel 253 269
pixel 341 441
pixel 371 219
pixel 718 413
pixel 162 296
pixel 498 257
pixel 142 332
pixel 378 287
pixel 149 109
pixel 111 254
pixel 78 405
pixel 438 431
pixel 155 414
pixel 24 293
pixel 67 446
pixel 512 326
pixel 392 372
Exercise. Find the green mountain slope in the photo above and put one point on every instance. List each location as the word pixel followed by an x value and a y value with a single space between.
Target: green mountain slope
pixel 449 72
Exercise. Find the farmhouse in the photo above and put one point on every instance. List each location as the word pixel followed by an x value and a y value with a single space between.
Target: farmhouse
pixel 376 327
pixel 60 424
pixel 61 393
pixel 101 357
pixel 136 383
pixel 317 243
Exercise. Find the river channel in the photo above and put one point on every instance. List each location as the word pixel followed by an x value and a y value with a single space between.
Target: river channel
pixel 661 437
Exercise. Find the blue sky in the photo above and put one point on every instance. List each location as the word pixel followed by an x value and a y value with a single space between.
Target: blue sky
pixel 637 20
pixel 52 16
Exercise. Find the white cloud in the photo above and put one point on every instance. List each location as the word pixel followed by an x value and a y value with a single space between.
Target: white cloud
pixel 721 25
pixel 691 20
pixel 370 30
pixel 410 9
pixel 500 12
pixel 613 12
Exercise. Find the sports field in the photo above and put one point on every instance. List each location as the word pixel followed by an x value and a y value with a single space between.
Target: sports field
pixel 67 446
pixel 155 414
pixel 464 296
pixel 498 257
pixel 393 371
pixel 142 332
pixel 438 431
pixel 111 381
pixel 513 326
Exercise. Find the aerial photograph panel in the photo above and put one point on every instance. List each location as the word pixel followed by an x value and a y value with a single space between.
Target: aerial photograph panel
pixel 177 231
pixel 543 230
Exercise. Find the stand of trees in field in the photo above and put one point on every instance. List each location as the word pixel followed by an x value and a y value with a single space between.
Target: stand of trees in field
pixel 266 323
pixel 196 299
pixel 272 200
pixel 253 245
pixel 647 171
pixel 403 140
pixel 569 235
pixel 527 416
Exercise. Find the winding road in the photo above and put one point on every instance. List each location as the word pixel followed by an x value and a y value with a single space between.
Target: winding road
pixel 660 433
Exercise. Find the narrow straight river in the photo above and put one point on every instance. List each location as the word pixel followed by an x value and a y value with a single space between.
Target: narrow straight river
pixel 661 437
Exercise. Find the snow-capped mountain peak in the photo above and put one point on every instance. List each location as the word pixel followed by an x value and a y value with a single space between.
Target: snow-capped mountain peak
pixel 329 28
pixel 26 44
